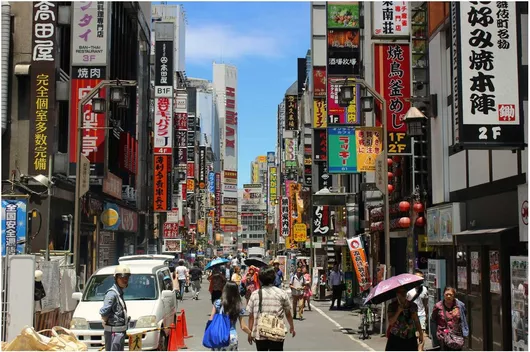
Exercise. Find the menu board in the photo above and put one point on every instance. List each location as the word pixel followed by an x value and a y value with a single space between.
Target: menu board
pixel 519 286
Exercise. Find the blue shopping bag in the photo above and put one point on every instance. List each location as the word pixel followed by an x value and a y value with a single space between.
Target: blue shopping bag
pixel 217 332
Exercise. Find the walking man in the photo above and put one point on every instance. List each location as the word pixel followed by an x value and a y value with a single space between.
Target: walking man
pixel 195 277
pixel 297 291
pixel 278 280
pixel 114 311
pixel 420 296
pixel 183 277
pixel 335 280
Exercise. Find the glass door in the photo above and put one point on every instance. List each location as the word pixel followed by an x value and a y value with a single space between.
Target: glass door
pixel 475 307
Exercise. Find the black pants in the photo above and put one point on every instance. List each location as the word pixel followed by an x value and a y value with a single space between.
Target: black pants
pixel 216 295
pixel 337 296
pixel 395 343
pixel 268 345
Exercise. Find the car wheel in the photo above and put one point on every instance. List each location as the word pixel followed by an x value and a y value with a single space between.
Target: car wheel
pixel 162 341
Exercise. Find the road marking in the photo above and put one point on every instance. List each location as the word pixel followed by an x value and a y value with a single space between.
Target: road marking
pixel 341 328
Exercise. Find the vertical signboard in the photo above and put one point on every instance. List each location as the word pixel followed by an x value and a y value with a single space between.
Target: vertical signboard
pixel 202 167
pixel 391 19
pixel 323 177
pixel 230 157
pixel 320 145
pixel 343 52
pixel 191 138
pixel 393 82
pixel 14 225
pixel 291 109
pixel 485 75
pixel 336 113
pixel 321 221
pixel 343 14
pixel 42 86
pixel 342 156
pixel 319 81
pixel 273 185
pixel 369 143
pixel 320 119
pixel 284 217
pixel 89 33
pixel 211 182
pixel 181 138
pixel 217 222
pixel 162 186
pixel 358 257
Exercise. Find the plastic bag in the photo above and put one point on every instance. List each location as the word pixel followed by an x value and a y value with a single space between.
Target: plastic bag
pixel 64 340
pixel 28 340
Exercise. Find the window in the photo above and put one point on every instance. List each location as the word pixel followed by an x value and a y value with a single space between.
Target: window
pixel 141 287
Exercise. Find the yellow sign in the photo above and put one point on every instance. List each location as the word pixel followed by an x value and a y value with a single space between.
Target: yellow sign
pixel 369 145
pixel 289 243
pixel 228 221
pixel 273 183
pixel 201 226
pixel 135 342
pixel 300 232
pixel 110 217
pixel 190 185
pixel 320 115
pixel 262 159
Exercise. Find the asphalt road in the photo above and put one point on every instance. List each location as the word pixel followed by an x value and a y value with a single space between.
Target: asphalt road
pixel 317 332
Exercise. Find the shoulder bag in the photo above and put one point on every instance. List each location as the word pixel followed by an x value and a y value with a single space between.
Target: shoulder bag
pixel 450 339
pixel 270 327
pixel 217 334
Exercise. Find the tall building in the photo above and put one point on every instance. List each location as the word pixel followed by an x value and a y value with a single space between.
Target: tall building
pixel 253 214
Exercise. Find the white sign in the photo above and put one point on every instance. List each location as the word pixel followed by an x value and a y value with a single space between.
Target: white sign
pixel 181 103
pixel 172 217
pixel 390 19
pixel 489 76
pixel 163 126
pixel 290 149
pixel 381 179
pixel 164 91
pixel 89 33
pixel 522 195
pixel 85 175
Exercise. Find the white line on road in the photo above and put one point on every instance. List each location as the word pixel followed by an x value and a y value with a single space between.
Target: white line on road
pixel 340 327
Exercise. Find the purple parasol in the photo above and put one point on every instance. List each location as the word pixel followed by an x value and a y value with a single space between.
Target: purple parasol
pixel 386 289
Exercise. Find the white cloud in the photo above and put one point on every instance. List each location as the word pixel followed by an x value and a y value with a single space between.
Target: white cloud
pixel 222 42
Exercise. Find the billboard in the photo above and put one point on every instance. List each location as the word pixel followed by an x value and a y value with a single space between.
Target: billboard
pixel 390 19
pixel 369 143
pixel 336 113
pixel 291 113
pixel 14 225
pixel 230 157
pixel 162 182
pixel 192 131
pixel 343 14
pixel 273 183
pixel 346 39
pixel 42 89
pixel 89 30
pixel 319 81
pixel 202 167
pixel 320 114
pixel 163 128
pixel 342 156
pixel 211 182
pixel 487 110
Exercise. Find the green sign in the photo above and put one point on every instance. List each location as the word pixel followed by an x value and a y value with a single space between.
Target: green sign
pixel 290 163
pixel 343 15
pixel 342 153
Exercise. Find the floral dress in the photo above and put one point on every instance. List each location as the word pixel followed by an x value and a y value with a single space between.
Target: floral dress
pixel 234 344
pixel 453 322
pixel 307 289
pixel 404 326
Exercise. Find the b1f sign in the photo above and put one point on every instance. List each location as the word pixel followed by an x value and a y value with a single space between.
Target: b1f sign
pixel 164 92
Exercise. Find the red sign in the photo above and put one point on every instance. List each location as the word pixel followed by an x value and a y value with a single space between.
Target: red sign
pixel 93 146
pixel 230 174
pixel 190 170
pixel 181 121
pixel 162 177
pixel 319 81
pixel 127 159
pixel 231 118
pixel 392 81
pixel 184 191
pixel 171 230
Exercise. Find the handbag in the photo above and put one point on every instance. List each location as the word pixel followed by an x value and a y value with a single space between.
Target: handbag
pixel 217 333
pixel 269 326
pixel 450 339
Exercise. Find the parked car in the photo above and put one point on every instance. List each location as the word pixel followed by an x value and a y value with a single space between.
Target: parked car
pixel 151 303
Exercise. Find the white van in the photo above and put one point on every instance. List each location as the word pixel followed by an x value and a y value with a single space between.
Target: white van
pixel 151 303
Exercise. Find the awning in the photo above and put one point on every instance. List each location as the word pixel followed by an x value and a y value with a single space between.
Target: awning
pixel 497 236
pixel 483 231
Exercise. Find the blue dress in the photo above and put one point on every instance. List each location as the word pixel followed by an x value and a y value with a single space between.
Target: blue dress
pixel 233 332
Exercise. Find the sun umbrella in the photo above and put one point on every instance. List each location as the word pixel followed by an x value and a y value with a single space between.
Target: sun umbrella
pixel 386 289
pixel 258 263
pixel 215 262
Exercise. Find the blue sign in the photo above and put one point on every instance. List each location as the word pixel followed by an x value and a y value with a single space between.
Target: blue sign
pixel 270 158
pixel 14 226
pixel 211 182
pixel 110 217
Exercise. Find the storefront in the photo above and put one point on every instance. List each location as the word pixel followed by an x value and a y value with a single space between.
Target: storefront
pixel 118 237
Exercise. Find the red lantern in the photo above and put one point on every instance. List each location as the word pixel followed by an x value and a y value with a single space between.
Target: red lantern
pixel 389 162
pixel 418 207
pixel 404 206
pixel 404 222
pixel 390 175
pixel 390 189
pixel 420 221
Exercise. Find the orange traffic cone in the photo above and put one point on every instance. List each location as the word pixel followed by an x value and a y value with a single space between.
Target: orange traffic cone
pixel 185 325
pixel 172 344
pixel 180 334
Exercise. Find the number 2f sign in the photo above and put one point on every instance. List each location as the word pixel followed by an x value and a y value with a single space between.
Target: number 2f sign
pixel 398 143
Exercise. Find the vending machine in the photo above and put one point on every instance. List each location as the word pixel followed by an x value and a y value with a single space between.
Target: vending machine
pixel 435 283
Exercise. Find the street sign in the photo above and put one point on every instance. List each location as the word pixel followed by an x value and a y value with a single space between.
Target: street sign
pixel 85 176
pixel 381 179
pixel 367 187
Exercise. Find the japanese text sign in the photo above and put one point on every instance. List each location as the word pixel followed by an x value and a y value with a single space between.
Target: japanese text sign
pixel 211 182
pixel 291 108
pixel 320 145
pixel 285 218
pixel 320 113
pixel 163 64
pixel 217 222
pixel 324 178
pixel 202 167
pixel 369 144
pixel 163 128
pixel 14 226
pixel 342 156
pixel 485 74
pixel 336 113
pixel 390 19
pixel 42 79
pixel 162 179
pixel 393 82
pixel 273 183
pixel 171 230
pixel 89 33
pixel 343 14
pixel 300 232
pixel 321 221
pixel 319 81
pixel 231 124
pixel 343 62
pixel 290 149
pixel 360 263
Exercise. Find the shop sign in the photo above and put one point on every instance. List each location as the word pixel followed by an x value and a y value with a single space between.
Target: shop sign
pixel 171 230
pixel 325 180
pixel 229 201
pixel 343 39
pixel 112 185
pixel 164 64
pixel 128 153
pixel 290 149
pixel 190 185
pixel 443 222
pixel 201 226
pixel 308 175
pixel 129 220
pixel 232 208
pixel 14 225
pixel 231 123
pixel 89 30
pixel 285 218
pixel 320 119
pixel 291 120
pixel 399 143
pixel 343 62
pixel 336 113
pixel 211 182
pixel 319 81
pixel 181 103
pixel 369 145
pixel 360 263
pixel 487 113
pixel 299 232
pixel 110 217
pixel 391 19
pixel 181 121
pixel 342 155
pixel 273 183
pixel 182 139
pixel 228 221
pixel 163 129
pixel 202 167
pixel 182 156
pixel 172 245
pixel 217 220
pixel 321 221
pixel 343 14
pixel 162 179
pixel 320 145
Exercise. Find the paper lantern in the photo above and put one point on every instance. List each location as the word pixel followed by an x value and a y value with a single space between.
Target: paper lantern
pixel 418 207
pixel 404 206
pixel 404 222
pixel 389 162
pixel 390 175
pixel 390 189
pixel 420 221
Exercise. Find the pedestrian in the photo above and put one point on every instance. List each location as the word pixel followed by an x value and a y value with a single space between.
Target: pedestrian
pixel 114 310
pixel 217 283
pixel 251 281
pixel 195 278
pixel 236 276
pixel 235 262
pixel 273 302
pixel 174 279
pixel 181 273
pixel 450 322
pixel 278 280
pixel 230 304
pixel 403 323
pixel 297 291
pixel 420 296
pixel 307 288
pixel 335 280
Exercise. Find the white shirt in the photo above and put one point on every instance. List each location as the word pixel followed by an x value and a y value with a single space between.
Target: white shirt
pixel 335 278
pixel 235 262
pixel 419 301
pixel 181 272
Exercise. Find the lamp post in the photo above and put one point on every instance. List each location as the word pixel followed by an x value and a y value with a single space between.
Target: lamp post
pixel 116 95
pixel 346 96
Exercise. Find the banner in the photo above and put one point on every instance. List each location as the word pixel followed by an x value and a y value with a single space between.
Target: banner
pixel 291 113
pixel 284 217
pixel 162 179
pixel 290 149
pixel 343 14
pixel 172 246
pixel 369 144
pixel 336 113
pixel 360 263
pixel 14 226
pixel 342 155
pixel 391 19
pixel 42 86
pixel 319 81
pixel 320 113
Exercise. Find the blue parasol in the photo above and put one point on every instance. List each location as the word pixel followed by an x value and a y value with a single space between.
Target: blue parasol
pixel 215 262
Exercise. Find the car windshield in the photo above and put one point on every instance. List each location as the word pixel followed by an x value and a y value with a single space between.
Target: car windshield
pixel 141 287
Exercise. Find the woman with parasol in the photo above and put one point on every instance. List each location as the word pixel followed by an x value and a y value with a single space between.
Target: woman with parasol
pixel 251 282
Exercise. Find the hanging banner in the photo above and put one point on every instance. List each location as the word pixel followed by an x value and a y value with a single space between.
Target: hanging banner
pixel 14 225
pixel 320 145
pixel 369 144
pixel 217 220
pixel 336 113
pixel 342 155
pixel 291 116
pixel 319 81
pixel 163 129
pixel 211 182
pixel 487 113
pixel 320 113
pixel 162 179
pixel 391 19
pixel 360 263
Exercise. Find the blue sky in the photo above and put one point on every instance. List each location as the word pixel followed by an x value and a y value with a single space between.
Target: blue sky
pixel 263 40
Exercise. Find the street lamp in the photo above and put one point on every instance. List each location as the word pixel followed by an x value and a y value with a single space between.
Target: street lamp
pixel 415 119
pixel 99 105
pixel 124 103
pixel 116 93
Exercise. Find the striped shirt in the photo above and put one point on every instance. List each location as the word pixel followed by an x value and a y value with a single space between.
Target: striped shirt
pixel 275 301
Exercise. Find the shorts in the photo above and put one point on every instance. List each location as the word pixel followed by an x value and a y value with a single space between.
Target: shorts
pixel 423 321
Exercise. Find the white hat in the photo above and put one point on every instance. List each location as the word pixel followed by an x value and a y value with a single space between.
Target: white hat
pixel 38 275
